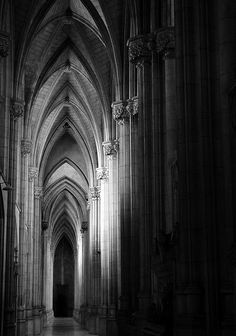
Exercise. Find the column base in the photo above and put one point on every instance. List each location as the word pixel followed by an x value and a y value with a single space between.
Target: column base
pixel 93 320
pixel 9 322
pixel 102 330
pixel 21 326
pixel 38 320
pixel 48 316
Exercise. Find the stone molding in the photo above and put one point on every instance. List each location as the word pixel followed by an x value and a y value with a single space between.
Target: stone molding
pixel 111 147
pixel 95 193
pixel 165 42
pixel 4 44
pixel 132 106
pixel 139 49
pixel 33 173
pixel 17 109
pixel 26 146
pixel 102 173
pixel 38 192
pixel 119 112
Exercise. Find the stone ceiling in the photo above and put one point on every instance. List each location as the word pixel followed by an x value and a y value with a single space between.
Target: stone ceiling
pixel 67 61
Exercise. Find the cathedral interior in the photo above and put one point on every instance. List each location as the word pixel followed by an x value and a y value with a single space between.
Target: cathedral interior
pixel 117 167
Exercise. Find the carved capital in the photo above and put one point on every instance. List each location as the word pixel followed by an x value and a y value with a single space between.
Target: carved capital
pixel 140 48
pixel 165 42
pixel 17 109
pixel 84 227
pixel 26 146
pixel 102 173
pixel 119 112
pixel 95 193
pixel 33 173
pixel 88 205
pixel 44 225
pixel 132 106
pixel 111 147
pixel 38 192
pixel 4 44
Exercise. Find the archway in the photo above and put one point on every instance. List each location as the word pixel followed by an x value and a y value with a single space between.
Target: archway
pixel 63 279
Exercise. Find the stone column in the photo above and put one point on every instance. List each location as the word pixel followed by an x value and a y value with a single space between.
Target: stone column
pixel 121 116
pixel 47 273
pixel 37 261
pixel 163 258
pixel 94 260
pixel 140 55
pixel 4 116
pixel 197 274
pixel 165 41
pixel 4 49
pixel 11 289
pixel 102 176
pixel 24 236
pixel 32 175
pixel 111 152
pixel 85 250
pixel 44 227
pixel 132 109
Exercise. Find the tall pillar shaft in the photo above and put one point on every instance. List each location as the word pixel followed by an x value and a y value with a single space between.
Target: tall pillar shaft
pixel 94 259
pixel 13 219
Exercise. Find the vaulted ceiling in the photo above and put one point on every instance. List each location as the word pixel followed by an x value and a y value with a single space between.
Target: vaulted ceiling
pixel 68 71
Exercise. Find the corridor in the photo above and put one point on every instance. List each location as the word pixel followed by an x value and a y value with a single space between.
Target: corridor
pixel 65 327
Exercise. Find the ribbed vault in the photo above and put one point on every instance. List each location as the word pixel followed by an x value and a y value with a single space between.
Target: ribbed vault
pixel 66 64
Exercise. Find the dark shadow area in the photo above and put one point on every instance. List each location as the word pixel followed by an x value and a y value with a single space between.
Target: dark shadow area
pixel 63 280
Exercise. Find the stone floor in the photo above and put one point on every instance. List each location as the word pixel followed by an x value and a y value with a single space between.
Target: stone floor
pixel 64 327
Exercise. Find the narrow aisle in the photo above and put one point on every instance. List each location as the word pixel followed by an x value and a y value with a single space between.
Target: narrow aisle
pixel 65 327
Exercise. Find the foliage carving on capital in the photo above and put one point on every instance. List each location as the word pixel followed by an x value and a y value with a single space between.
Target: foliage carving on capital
pixel 38 192
pixel 44 225
pixel 84 227
pixel 140 48
pixel 33 173
pixel 17 109
pixel 4 44
pixel 26 146
pixel 111 147
pixel 95 193
pixel 132 106
pixel 102 173
pixel 119 112
pixel 165 41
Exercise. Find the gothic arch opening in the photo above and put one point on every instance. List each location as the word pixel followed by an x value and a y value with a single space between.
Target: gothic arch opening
pixel 63 279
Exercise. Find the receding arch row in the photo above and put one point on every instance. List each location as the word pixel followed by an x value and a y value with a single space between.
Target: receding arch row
pixel 73 165
pixel 90 156
pixel 53 194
